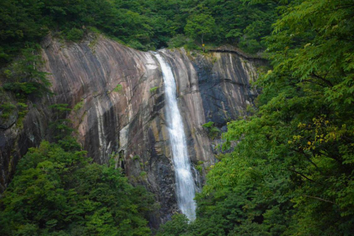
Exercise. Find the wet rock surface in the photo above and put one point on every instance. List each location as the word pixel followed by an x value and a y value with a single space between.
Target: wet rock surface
pixel 117 100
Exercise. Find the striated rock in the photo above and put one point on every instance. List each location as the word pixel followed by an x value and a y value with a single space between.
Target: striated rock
pixel 118 109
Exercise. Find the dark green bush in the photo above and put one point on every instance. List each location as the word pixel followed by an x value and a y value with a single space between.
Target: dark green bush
pixel 75 34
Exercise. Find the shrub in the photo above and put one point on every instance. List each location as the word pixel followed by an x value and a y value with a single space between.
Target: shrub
pixel 75 34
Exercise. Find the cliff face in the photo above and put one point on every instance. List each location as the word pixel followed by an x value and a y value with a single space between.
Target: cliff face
pixel 118 99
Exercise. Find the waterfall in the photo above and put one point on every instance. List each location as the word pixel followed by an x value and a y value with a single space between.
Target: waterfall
pixel 184 179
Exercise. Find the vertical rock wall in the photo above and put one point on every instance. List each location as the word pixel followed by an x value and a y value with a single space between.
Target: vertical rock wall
pixel 118 109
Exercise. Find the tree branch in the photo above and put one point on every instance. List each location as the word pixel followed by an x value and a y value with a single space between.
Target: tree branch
pixel 293 170
pixel 307 157
pixel 320 199
pixel 322 79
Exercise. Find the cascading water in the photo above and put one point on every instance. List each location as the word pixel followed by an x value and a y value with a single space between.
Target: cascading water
pixel 184 178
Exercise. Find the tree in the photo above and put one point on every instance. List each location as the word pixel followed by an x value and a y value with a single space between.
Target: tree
pixel 200 26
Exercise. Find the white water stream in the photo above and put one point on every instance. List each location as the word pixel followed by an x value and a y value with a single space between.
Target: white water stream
pixel 184 178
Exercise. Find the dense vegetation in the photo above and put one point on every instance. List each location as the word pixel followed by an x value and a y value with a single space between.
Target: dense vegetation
pixel 141 24
pixel 57 191
pixel 292 170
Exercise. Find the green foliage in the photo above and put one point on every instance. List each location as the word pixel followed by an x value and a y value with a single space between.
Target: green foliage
pixel 201 26
pixel 79 105
pixel 6 109
pixel 241 22
pixel 143 175
pixel 60 127
pixel 57 192
pixel 208 125
pixel 145 25
pixel 12 111
pixel 118 88
pixel 19 27
pixel 291 172
pixel 178 226
pixel 74 34
pixel 212 130
pixel 22 111
pixel 199 166
pixel 178 41
pixel 24 76
pixel 154 89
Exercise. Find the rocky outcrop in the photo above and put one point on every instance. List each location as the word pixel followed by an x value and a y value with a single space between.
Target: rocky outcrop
pixel 117 98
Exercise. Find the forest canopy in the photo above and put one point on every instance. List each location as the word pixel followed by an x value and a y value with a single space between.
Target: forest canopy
pixel 141 24
pixel 57 191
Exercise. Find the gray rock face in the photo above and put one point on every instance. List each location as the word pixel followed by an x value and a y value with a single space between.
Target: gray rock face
pixel 118 100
